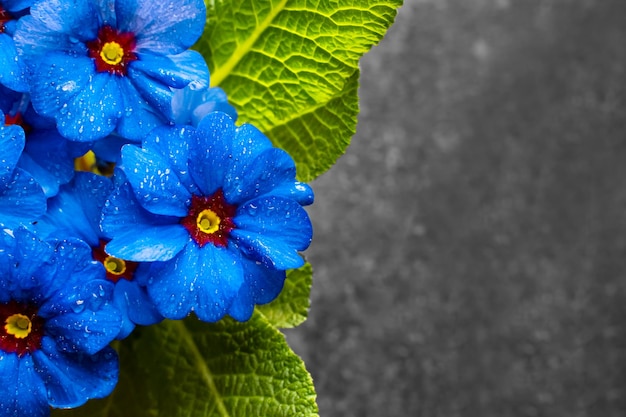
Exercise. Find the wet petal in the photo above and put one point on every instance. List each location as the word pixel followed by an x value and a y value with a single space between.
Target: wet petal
pixel 22 391
pixel 85 104
pixel 22 200
pixel 155 183
pixel 72 379
pixel 271 168
pixel 176 71
pixel 146 18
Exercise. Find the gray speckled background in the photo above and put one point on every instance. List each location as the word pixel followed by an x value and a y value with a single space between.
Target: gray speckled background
pixel 470 247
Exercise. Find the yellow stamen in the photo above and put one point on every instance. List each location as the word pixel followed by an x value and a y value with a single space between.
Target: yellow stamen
pixel 112 53
pixel 86 163
pixel 89 163
pixel 208 221
pixel 18 325
pixel 115 266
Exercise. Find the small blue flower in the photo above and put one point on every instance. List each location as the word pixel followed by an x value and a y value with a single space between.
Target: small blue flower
pixel 98 66
pixel 12 69
pixel 56 323
pixel 217 210
pixel 191 105
pixel 75 212
pixel 22 199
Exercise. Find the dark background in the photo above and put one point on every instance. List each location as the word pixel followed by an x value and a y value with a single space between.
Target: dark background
pixel 470 247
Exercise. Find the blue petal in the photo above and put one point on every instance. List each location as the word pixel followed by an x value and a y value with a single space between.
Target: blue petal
pixel 17 5
pixel 271 252
pixel 175 71
pixel 12 69
pixel 79 288
pixel 140 307
pixel 123 212
pixel 210 153
pixel 22 200
pixel 262 286
pixel 167 27
pixel 265 283
pixel 76 18
pixel 204 280
pixel 22 391
pixel 157 244
pixel 156 94
pixel 34 40
pixel 278 218
pixel 271 168
pixel 75 210
pixel 108 149
pixel 139 116
pixel 47 158
pixel 12 141
pixel 191 105
pixel 298 191
pixel 33 276
pixel 242 306
pixel 173 142
pixel 272 230
pixel 72 379
pixel 127 326
pixel 155 183
pixel 85 104
pixel 45 178
pixel 250 142
pixel 221 278
pixel 88 331
pixel 8 98
pixel 92 191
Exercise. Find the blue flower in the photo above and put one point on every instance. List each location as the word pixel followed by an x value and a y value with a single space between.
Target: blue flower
pixel 75 212
pixel 56 324
pixel 98 66
pixel 22 199
pixel 217 210
pixel 12 69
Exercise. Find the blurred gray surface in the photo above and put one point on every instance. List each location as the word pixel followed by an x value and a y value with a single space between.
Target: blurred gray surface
pixel 469 248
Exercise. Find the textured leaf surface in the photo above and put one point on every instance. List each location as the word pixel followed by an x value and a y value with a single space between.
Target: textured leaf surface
pixel 291 307
pixel 194 369
pixel 291 68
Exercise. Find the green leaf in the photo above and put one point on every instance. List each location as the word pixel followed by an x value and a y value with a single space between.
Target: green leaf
pixel 194 369
pixel 290 67
pixel 291 307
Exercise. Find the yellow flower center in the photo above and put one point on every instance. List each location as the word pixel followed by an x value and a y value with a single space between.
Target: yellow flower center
pixel 115 266
pixel 112 53
pixel 18 325
pixel 208 221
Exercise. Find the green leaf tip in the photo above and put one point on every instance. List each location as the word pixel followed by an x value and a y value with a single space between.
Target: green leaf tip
pixel 290 67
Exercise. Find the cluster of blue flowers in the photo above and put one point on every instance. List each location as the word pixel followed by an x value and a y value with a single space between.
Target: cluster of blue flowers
pixel 127 193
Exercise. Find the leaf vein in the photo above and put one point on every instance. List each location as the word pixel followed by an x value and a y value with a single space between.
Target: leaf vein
pixel 223 71
pixel 203 367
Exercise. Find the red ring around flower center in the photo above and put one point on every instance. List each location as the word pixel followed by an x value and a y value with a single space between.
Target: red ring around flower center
pixel 21 329
pixel 116 268
pixel 210 219
pixel 112 51
pixel 18 120
pixel 4 18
